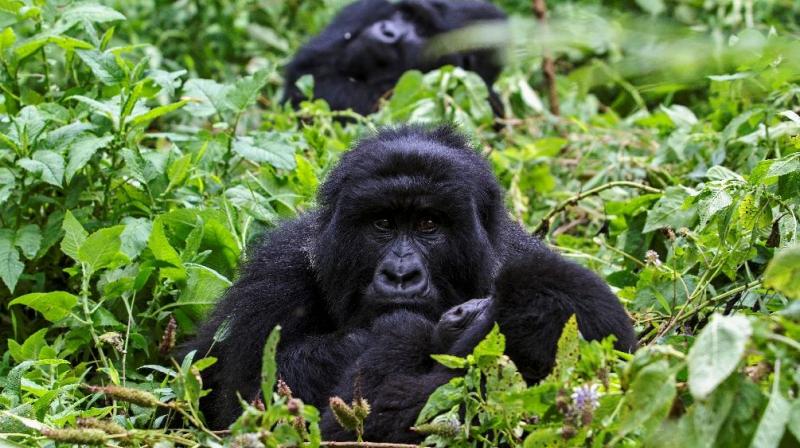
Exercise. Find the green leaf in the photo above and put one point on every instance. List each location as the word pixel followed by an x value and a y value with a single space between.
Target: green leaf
pixel 260 149
pixel 89 12
pixel 179 170
pixel 442 399
pixel 653 7
pixel 567 353
pixel 794 420
pixel 45 165
pixel 10 266
pixel 147 117
pixel 103 65
pixel 204 286
pixel 773 421
pixel 450 361
pixel 245 91
pixel 490 348
pixel 164 252
pixel 670 212
pixel 54 305
pixel 206 97
pixel 102 249
pixel 648 400
pixel 716 352
pixel 81 151
pixel 74 235
pixel 29 240
pixel 135 236
pixel 7 184
pixel 718 200
pixel 783 272
pixel 269 368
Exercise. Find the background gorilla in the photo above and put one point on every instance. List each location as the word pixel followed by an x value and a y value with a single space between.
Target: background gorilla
pixel 370 43
pixel 410 220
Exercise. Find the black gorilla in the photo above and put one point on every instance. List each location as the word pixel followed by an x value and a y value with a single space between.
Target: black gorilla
pixel 396 374
pixel 410 220
pixel 364 51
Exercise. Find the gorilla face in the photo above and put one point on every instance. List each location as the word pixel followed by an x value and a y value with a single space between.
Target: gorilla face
pixel 384 48
pixel 405 221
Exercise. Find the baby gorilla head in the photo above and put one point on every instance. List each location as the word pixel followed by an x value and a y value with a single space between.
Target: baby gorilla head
pixel 457 322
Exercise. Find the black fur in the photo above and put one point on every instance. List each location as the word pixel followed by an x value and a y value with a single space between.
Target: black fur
pixel 367 254
pixel 352 68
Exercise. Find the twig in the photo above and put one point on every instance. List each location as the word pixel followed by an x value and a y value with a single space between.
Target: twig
pixel 548 65
pixel 367 445
pixel 544 224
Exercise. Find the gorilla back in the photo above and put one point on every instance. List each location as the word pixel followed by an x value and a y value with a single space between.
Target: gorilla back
pixel 364 51
pixel 410 220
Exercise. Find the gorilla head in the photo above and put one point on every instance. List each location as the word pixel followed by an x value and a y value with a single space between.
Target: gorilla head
pixel 415 234
pixel 368 46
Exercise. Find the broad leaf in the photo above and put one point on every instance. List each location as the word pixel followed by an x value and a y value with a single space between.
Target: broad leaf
pixel 716 353
pixel 10 265
pixel 783 272
pixel 54 306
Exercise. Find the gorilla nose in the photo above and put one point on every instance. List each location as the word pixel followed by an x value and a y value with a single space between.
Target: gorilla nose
pixel 406 279
pixel 387 31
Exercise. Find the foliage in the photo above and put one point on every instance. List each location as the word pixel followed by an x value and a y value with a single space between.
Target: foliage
pixel 143 146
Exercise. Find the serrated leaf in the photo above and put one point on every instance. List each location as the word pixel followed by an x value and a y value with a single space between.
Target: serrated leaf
pixel 74 235
pixel 244 92
pixel 81 151
pixel 669 211
pixel 783 272
pixel 90 12
pixel 54 305
pixel 443 399
pixel 164 252
pixel 718 201
pixel 490 348
pixel 135 236
pixel 206 97
pixel 103 65
pixel 102 249
pixel 10 266
pixel 45 165
pixel 7 184
pixel 567 353
pixel 260 149
pixel 269 367
pixel 29 240
pixel 716 353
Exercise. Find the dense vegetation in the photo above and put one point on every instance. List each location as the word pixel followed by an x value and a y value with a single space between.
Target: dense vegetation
pixel 142 146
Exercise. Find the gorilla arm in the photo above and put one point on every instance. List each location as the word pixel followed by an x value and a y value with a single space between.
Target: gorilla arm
pixel 537 292
pixel 276 286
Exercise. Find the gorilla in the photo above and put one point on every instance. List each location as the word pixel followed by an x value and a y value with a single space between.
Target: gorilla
pixel 409 224
pixel 396 374
pixel 371 43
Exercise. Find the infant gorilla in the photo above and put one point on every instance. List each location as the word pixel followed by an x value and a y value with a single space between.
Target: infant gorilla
pixel 397 372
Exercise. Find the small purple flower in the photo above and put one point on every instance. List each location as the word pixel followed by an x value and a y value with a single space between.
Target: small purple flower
pixel 586 397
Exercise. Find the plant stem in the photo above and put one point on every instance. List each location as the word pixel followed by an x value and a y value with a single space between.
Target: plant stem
pixel 544 224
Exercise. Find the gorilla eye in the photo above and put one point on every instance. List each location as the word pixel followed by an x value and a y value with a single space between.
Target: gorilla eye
pixel 426 225
pixel 382 224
